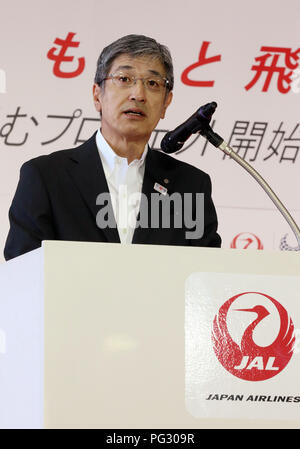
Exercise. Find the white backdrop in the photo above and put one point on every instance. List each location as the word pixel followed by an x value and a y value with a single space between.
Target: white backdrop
pixel 42 110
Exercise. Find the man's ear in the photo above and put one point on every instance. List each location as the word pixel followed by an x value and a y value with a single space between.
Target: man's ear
pixel 97 97
pixel 167 103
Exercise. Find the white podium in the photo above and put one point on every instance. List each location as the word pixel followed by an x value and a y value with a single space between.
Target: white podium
pixel 92 335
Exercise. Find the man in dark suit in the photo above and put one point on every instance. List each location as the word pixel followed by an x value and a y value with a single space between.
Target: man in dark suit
pixel 113 187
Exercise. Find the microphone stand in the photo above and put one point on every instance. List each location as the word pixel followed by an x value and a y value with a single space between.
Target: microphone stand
pixel 220 143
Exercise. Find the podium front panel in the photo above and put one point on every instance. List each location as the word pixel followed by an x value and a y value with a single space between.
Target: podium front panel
pixel 115 332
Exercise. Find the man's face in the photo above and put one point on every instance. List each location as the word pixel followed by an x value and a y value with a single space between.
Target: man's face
pixel 115 103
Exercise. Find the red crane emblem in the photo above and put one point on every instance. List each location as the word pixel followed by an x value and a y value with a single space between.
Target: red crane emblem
pixel 250 361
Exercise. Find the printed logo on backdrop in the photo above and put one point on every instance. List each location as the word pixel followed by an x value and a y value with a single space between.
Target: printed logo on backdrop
pixel 285 246
pixel 250 361
pixel 246 240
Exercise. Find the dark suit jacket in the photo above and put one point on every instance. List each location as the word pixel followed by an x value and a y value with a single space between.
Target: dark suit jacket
pixel 56 200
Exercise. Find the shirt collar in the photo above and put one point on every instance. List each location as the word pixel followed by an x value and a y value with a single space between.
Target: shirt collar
pixel 108 156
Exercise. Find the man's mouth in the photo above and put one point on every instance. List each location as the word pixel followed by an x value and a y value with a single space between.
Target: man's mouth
pixel 135 112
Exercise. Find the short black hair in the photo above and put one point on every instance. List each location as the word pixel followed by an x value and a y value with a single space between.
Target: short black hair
pixel 135 45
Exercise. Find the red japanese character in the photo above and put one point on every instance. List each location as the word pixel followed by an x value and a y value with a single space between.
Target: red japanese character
pixel 202 60
pixel 284 76
pixel 60 57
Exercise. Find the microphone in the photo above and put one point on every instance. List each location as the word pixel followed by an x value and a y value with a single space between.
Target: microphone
pixel 199 122
pixel 174 140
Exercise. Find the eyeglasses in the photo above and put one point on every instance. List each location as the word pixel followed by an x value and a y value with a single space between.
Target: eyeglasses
pixel 154 83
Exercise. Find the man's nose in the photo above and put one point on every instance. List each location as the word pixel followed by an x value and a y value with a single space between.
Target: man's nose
pixel 138 91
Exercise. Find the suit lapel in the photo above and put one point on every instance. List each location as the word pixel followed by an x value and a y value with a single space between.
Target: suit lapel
pixel 86 170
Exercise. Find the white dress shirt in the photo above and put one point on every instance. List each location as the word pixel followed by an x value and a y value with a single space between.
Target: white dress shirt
pixel 125 186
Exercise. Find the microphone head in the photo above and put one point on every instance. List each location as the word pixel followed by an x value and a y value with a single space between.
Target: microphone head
pixel 169 145
pixel 174 140
pixel 206 111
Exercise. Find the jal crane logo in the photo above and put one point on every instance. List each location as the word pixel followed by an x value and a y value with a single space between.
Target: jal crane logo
pixel 248 360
